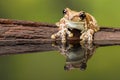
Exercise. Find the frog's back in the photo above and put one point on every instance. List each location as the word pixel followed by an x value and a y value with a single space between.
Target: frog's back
pixel 92 23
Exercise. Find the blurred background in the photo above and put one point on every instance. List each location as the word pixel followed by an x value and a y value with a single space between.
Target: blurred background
pixel 106 12
pixel 104 65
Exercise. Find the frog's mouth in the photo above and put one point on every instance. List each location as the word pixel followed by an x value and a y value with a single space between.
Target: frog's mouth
pixel 75 25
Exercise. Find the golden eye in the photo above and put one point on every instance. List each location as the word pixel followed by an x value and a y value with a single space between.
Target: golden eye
pixel 82 15
pixel 64 11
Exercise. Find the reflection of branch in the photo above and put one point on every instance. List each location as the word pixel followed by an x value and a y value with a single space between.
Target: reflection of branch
pixel 26 36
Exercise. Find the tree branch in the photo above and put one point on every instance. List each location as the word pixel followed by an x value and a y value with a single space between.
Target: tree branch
pixel 18 36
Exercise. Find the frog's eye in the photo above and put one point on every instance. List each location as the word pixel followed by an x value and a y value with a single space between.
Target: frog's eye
pixel 82 15
pixel 64 11
pixel 83 66
pixel 66 68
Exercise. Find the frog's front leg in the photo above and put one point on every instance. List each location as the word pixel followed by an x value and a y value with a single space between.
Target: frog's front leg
pixel 87 36
pixel 62 33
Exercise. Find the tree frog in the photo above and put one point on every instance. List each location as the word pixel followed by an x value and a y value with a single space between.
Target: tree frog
pixel 81 20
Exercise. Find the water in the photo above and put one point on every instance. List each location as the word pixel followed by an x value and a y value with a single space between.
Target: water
pixel 103 65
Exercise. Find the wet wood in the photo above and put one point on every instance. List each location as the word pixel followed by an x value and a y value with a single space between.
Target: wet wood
pixel 17 36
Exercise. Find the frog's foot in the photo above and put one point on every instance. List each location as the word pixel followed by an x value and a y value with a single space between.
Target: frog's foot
pixel 69 33
pixel 87 36
pixel 62 34
pixel 54 36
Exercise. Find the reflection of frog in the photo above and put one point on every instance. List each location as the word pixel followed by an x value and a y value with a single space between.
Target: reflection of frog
pixel 76 55
pixel 76 20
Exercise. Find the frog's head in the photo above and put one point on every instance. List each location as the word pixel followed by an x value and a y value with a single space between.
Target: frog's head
pixel 74 15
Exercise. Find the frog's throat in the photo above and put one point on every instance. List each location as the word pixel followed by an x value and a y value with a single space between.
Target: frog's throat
pixel 75 25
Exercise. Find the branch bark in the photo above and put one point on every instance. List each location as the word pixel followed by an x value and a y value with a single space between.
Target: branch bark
pixel 17 36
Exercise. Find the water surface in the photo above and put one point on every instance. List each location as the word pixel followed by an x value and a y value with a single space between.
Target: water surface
pixel 103 65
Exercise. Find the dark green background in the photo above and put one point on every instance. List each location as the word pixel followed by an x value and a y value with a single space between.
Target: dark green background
pixel 104 65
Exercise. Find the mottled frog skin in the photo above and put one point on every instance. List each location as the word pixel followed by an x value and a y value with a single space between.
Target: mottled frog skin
pixel 81 20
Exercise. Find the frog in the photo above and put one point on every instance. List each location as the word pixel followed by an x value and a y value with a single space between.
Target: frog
pixel 79 20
